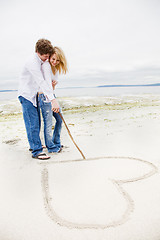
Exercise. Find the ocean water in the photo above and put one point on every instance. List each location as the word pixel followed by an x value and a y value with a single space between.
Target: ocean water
pixel 102 90
pixel 106 91
pixel 97 83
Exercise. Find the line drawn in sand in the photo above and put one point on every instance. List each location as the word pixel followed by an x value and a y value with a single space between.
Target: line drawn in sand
pixel 49 205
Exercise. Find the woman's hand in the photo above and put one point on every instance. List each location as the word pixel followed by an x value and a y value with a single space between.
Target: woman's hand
pixel 54 83
pixel 55 105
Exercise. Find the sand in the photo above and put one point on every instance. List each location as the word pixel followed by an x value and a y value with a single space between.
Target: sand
pixel 113 194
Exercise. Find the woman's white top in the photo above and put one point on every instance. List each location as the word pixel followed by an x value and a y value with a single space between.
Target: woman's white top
pixel 32 79
pixel 48 75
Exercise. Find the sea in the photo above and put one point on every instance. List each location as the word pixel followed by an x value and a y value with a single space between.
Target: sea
pixel 88 86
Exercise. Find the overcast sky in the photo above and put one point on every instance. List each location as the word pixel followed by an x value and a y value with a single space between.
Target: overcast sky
pixel 103 35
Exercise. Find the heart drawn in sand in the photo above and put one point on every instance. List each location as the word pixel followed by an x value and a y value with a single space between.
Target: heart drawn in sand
pixel 89 193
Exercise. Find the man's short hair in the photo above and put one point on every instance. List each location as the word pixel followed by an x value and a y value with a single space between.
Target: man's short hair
pixel 44 46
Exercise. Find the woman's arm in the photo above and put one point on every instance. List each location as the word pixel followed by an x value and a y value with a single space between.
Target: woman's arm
pixel 54 83
pixel 54 80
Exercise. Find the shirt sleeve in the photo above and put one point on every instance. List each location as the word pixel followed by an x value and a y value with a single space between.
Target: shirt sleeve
pixel 55 76
pixel 47 74
pixel 41 82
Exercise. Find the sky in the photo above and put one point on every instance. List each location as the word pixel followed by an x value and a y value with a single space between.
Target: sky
pixel 98 37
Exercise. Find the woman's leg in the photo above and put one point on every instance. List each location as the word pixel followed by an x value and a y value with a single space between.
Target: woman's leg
pixel 47 118
pixel 57 130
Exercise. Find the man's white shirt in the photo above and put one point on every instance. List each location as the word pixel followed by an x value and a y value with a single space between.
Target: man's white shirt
pixel 32 79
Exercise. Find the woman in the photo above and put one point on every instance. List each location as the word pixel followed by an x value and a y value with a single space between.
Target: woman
pixel 57 65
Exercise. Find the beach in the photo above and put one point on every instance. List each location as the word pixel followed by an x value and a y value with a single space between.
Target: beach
pixel 112 194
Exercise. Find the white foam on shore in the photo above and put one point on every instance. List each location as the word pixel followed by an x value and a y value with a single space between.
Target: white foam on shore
pixel 13 106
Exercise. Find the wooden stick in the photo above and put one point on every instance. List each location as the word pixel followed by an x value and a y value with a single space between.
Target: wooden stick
pixel 71 136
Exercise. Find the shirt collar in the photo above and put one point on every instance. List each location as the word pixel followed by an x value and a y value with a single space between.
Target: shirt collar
pixel 41 62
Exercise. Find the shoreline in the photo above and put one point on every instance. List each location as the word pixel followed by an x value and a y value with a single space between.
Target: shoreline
pixel 84 102
pixel 85 117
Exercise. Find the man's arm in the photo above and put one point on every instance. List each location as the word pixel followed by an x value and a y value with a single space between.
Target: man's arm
pixel 44 86
pixel 48 78
pixel 38 78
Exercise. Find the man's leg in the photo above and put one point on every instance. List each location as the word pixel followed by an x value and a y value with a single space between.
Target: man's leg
pixel 32 124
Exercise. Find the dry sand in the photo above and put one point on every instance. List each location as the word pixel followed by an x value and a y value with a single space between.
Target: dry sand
pixel 112 195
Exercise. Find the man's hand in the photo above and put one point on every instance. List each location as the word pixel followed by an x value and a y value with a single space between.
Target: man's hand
pixel 55 105
pixel 54 83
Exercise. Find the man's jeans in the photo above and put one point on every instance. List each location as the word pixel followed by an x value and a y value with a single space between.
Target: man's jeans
pixel 31 116
pixel 53 143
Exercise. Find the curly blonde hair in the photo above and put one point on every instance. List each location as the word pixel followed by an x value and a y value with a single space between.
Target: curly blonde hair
pixel 62 65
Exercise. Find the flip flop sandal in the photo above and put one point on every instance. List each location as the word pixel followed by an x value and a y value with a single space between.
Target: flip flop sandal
pixel 39 156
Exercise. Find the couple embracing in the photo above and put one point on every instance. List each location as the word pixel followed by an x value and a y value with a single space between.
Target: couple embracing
pixel 36 92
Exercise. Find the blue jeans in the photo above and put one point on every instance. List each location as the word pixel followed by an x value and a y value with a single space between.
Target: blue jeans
pixel 53 143
pixel 31 116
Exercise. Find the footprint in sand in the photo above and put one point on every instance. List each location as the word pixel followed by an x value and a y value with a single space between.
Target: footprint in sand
pixel 12 141
pixel 89 193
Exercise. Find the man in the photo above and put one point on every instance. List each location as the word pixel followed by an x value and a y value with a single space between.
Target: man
pixel 31 81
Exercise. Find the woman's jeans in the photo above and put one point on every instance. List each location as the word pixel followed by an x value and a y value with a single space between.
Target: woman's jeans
pixel 31 116
pixel 53 143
